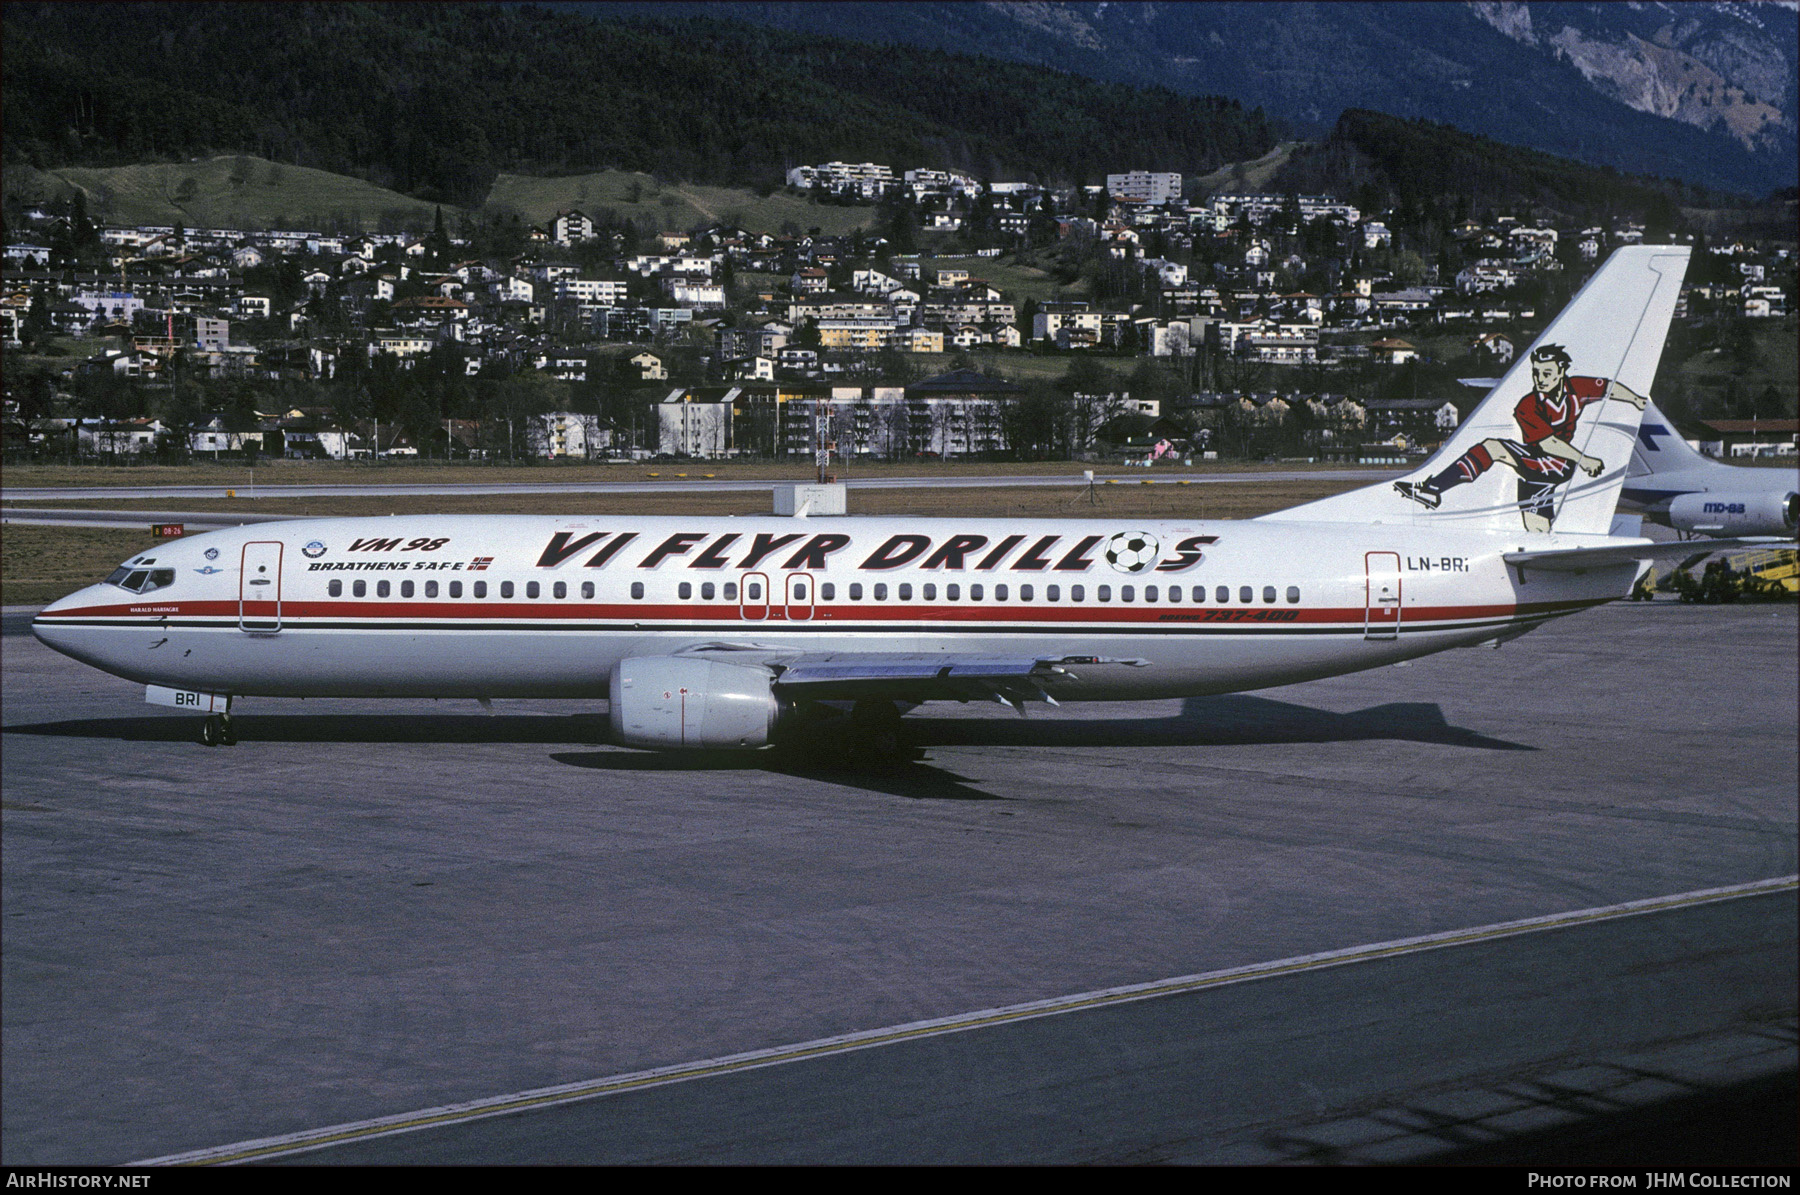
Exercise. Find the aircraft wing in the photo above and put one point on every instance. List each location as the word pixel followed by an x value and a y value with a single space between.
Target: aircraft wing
pixel 916 677
pixel 1580 560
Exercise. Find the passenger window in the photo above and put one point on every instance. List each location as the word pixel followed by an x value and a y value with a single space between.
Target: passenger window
pixel 455 589
pixel 975 592
pixel 506 589
pixel 1105 594
pixel 706 591
pixel 1077 593
pixel 406 589
pixel 800 592
pixel 1127 593
pixel 1149 593
pixel 335 589
pixel 1246 594
pixel 431 589
pixel 1293 595
pixel 906 592
pixel 1174 593
pixel 587 590
pixel 685 591
pixel 752 591
pixel 1268 593
pixel 532 590
pixel 1053 593
pixel 637 590
pixel 359 588
pixel 856 591
pixel 930 593
pixel 1024 593
pixel 827 591
pixel 559 591
pixel 1222 595
pixel 881 592
pixel 383 588
pixel 731 591
pixel 952 592
pixel 481 589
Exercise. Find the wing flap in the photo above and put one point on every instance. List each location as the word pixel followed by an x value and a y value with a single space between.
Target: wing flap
pixel 1011 680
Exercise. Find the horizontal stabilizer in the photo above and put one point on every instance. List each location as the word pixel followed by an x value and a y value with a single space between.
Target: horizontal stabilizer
pixel 1580 560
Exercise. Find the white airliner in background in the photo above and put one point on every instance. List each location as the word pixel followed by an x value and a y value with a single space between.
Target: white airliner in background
pixel 1672 484
pixel 729 632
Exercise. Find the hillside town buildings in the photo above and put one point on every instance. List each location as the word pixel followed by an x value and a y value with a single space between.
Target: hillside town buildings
pixel 721 366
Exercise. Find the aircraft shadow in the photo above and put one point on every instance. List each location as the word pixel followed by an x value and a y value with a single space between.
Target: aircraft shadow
pixel 1234 720
pixel 907 776
pixel 340 728
pixel 904 777
pixel 1231 720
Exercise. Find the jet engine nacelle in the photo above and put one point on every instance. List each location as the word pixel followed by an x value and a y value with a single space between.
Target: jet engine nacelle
pixel 682 702
pixel 1721 513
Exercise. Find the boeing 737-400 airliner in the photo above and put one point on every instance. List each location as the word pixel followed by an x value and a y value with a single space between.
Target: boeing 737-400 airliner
pixel 727 632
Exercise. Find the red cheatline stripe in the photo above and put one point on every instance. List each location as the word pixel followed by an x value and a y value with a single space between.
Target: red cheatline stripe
pixel 377 611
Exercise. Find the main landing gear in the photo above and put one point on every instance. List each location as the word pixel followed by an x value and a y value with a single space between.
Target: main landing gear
pixel 218 731
pixel 830 739
pixel 875 732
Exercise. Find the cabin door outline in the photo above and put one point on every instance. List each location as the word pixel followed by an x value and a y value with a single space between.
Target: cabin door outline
pixel 801 593
pixel 259 588
pixel 753 609
pixel 1382 596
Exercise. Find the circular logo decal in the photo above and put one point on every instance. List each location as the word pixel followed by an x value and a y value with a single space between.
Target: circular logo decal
pixel 212 553
pixel 1131 551
pixel 315 548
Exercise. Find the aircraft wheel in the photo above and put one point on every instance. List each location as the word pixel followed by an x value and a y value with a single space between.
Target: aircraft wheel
pixel 227 731
pixel 212 731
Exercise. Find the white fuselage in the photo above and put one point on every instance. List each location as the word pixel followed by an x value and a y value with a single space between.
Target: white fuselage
pixel 532 606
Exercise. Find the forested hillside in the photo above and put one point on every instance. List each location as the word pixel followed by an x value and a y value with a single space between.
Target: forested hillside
pixel 435 100
pixel 1381 161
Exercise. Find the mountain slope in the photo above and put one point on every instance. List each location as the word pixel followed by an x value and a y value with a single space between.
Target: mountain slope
pixel 1699 92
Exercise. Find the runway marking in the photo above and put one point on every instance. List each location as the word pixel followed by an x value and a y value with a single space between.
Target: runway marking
pixel 264 1148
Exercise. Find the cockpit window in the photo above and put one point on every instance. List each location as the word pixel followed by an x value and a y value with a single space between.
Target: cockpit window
pixel 141 580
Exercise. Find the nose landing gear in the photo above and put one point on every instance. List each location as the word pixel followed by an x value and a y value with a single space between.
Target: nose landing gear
pixel 218 731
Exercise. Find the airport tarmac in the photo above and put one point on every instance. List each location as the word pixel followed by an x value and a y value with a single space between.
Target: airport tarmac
pixel 368 909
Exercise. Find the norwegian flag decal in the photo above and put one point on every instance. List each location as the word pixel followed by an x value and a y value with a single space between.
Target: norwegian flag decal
pixel 480 563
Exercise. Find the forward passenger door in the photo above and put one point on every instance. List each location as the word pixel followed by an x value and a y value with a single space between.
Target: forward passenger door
pixel 259 588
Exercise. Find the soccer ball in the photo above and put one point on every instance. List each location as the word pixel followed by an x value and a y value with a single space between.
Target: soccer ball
pixel 1131 551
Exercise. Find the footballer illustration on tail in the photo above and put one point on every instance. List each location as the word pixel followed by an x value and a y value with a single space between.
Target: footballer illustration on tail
pixel 1544 456
pixel 1547 450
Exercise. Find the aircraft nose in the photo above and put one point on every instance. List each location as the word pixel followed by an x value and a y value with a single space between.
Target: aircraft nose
pixel 43 624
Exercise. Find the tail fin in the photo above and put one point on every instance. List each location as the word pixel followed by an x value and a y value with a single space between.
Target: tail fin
pixel 1522 458
pixel 1660 448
